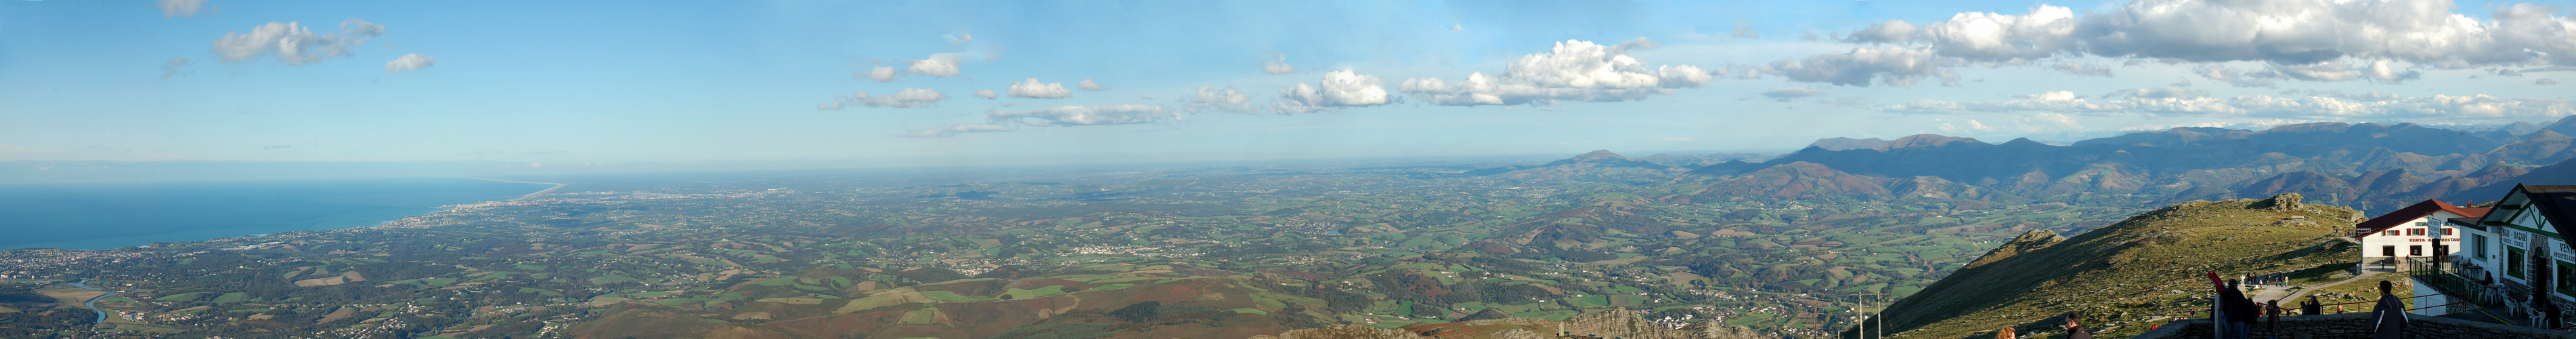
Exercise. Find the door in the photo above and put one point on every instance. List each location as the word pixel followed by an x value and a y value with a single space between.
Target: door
pixel 2388 251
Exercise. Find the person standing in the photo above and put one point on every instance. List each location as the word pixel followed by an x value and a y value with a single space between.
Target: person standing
pixel 2311 307
pixel 2240 311
pixel 2272 309
pixel 2075 326
pixel 2388 317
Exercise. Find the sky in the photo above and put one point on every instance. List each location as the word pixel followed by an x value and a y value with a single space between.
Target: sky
pixel 765 84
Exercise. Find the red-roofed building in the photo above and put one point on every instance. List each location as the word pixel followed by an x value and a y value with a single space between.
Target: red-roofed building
pixel 2413 231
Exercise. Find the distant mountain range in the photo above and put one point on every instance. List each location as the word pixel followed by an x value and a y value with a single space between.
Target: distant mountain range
pixel 2374 167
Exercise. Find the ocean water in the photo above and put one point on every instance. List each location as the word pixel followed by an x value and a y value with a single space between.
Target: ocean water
pixel 106 216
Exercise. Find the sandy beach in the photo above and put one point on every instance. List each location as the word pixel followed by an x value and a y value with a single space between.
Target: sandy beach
pixel 530 195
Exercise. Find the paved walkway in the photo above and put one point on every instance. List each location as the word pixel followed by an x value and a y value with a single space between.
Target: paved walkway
pixel 2287 297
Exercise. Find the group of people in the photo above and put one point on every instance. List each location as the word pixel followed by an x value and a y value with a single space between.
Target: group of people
pixel 2074 328
pixel 2237 314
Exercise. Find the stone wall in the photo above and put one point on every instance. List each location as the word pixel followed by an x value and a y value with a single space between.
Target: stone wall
pixel 2357 326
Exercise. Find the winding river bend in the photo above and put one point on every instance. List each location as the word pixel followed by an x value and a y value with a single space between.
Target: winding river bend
pixel 93 301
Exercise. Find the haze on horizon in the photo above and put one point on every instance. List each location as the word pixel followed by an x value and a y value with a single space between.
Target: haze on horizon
pixel 509 87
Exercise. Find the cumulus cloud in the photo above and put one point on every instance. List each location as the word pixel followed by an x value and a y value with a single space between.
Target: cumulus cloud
pixel 2158 93
pixel 1033 89
pixel 1086 115
pixel 180 8
pixel 986 93
pixel 1279 66
pixel 410 62
pixel 1087 85
pixel 878 74
pixel 1573 70
pixel 906 98
pixel 938 65
pixel 2320 106
pixel 953 130
pixel 1210 98
pixel 1891 65
pixel 295 44
pixel 178 66
pixel 2081 69
pixel 1746 32
pixel 1784 94
pixel 1338 89
pixel 2310 40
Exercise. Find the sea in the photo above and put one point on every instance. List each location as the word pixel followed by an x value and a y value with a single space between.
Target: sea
pixel 94 216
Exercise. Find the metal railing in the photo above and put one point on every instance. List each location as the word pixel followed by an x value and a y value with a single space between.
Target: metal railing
pixel 2439 275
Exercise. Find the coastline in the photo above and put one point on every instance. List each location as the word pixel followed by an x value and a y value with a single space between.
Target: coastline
pixel 529 195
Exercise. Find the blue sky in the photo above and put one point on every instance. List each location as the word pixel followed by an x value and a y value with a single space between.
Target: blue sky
pixel 605 84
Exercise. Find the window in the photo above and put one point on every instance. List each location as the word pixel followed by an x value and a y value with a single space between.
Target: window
pixel 2513 262
pixel 2478 246
pixel 2415 251
pixel 2447 231
pixel 2395 233
pixel 2566 272
pixel 2414 231
pixel 2423 223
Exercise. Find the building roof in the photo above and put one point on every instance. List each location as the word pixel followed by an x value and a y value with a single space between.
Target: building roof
pixel 2417 211
pixel 2556 202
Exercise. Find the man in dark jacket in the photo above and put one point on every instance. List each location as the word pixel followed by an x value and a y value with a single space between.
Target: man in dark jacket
pixel 2240 311
pixel 2311 307
pixel 2388 317
pixel 2075 326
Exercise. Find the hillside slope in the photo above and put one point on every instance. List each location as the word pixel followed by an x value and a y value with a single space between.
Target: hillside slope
pixel 2129 275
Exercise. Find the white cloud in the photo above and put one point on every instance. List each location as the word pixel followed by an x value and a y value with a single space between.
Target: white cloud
pixel 906 98
pixel 1086 115
pixel 958 38
pixel 1279 66
pixel 1210 98
pixel 1784 94
pixel 2157 93
pixel 986 93
pixel 1087 85
pixel 176 66
pixel 1891 65
pixel 2000 37
pixel 953 130
pixel 878 74
pixel 1339 89
pixel 2081 69
pixel 180 8
pixel 1032 89
pixel 294 44
pixel 1573 70
pixel 2545 81
pixel 410 62
pixel 2312 40
pixel 938 65
pixel 1746 32
pixel 2315 106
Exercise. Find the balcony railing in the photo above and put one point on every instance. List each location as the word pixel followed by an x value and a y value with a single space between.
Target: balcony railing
pixel 2443 275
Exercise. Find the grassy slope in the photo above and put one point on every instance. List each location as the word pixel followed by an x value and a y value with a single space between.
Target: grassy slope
pixel 2127 276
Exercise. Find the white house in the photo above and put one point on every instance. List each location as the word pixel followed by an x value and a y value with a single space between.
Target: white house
pixel 2416 231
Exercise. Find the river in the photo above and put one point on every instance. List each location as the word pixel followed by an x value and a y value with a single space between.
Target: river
pixel 93 301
